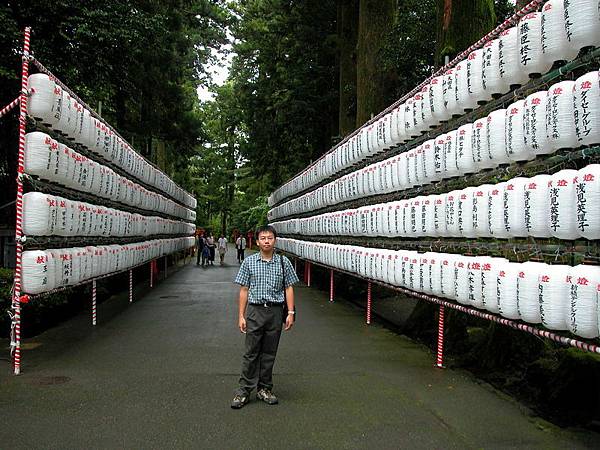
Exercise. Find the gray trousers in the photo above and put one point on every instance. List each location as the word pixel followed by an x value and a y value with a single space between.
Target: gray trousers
pixel 263 330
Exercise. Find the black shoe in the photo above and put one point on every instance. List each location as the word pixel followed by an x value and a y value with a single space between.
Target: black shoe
pixel 267 396
pixel 239 401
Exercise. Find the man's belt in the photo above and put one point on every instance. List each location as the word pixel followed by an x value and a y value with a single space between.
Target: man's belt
pixel 267 304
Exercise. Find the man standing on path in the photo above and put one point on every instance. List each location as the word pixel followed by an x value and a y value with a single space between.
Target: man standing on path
pixel 222 247
pixel 263 277
pixel 240 245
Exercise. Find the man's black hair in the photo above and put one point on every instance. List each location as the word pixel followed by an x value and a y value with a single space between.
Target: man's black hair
pixel 265 229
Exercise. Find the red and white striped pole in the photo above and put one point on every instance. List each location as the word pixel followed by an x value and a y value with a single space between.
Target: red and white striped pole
pixel 308 265
pixel 151 273
pixel 330 285
pixel 16 304
pixel 369 303
pixel 440 347
pixel 94 302
pixel 130 286
pixel 10 106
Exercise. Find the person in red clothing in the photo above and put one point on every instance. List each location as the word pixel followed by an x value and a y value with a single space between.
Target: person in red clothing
pixel 250 237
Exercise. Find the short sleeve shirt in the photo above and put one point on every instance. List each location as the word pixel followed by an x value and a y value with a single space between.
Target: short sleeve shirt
pixel 265 278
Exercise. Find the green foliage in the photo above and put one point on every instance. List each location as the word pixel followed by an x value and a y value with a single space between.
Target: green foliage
pixel 141 58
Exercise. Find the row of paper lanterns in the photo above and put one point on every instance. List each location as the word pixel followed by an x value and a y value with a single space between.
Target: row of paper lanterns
pixel 560 297
pixel 565 116
pixel 57 109
pixel 556 33
pixel 49 215
pixel 45 270
pixel 565 205
pixel 51 160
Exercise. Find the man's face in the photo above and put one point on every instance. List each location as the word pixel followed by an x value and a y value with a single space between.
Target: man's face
pixel 266 241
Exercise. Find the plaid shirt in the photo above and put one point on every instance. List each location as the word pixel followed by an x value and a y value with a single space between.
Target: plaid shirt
pixel 264 278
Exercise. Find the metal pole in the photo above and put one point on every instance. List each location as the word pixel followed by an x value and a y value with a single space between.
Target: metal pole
pixel 308 274
pixel 330 285
pixel 16 303
pixel 369 303
pixel 166 264
pixel 130 285
pixel 296 265
pixel 152 273
pixel 440 347
pixel 94 302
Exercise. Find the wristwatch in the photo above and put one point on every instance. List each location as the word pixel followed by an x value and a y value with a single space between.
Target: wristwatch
pixel 291 312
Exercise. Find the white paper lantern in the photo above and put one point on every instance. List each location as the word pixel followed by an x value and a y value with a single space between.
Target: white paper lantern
pixel 555 46
pixel 425 273
pixel 489 283
pixel 76 257
pixel 515 141
pixel 509 58
pixel 411 170
pixel 465 212
pixel 436 100
pixel 581 23
pixel 39 214
pixel 409 124
pixel 491 78
pixel 463 98
pixel 479 145
pixel 439 156
pixel 475 64
pixel 506 282
pixel 429 213
pixel 449 91
pixel 562 214
pixel 45 101
pixel 494 134
pixel 530 45
pixel 420 166
pixel 452 199
pixel 429 161
pixel 42 156
pixel 586 98
pixel 560 116
pixel 400 119
pixel 534 124
pixel 464 150
pixel 514 207
pixel 537 206
pixel 426 113
pixel 63 215
pixel 447 276
pixel 527 291
pixel 475 267
pixel 496 211
pixel 38 272
pixel 583 305
pixel 481 210
pixel 66 117
pixel 439 203
pixel 587 193
pixel 461 279
pixel 553 294
pixel 450 161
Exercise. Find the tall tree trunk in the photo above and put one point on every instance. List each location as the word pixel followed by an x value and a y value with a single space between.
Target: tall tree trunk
pixel 374 86
pixel 347 37
pixel 460 24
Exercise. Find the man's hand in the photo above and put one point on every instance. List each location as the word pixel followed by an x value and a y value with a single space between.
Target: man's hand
pixel 242 325
pixel 289 322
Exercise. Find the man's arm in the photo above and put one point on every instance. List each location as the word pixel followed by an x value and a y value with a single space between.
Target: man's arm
pixel 289 299
pixel 243 302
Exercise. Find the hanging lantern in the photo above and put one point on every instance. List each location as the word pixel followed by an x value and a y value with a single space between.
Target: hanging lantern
pixel 475 64
pixel 581 23
pixel 495 137
pixel 587 194
pixel 514 207
pixel 534 124
pixel 464 150
pixel 507 290
pixel 509 58
pixel 530 45
pixel 436 100
pixel 553 295
pixel 560 116
pixel 527 291
pixel 491 78
pixel 479 145
pixel 481 210
pixel 515 142
pixel 583 305
pixel 586 97
pixel 562 214
pixel 555 46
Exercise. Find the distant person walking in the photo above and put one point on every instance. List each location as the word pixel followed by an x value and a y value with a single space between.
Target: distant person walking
pixel 240 245
pixel 266 281
pixel 210 243
pixel 200 244
pixel 222 248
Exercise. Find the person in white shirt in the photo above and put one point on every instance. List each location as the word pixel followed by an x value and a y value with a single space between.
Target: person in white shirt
pixel 222 247
pixel 240 245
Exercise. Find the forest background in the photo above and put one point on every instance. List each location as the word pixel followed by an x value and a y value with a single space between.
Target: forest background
pixel 303 75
